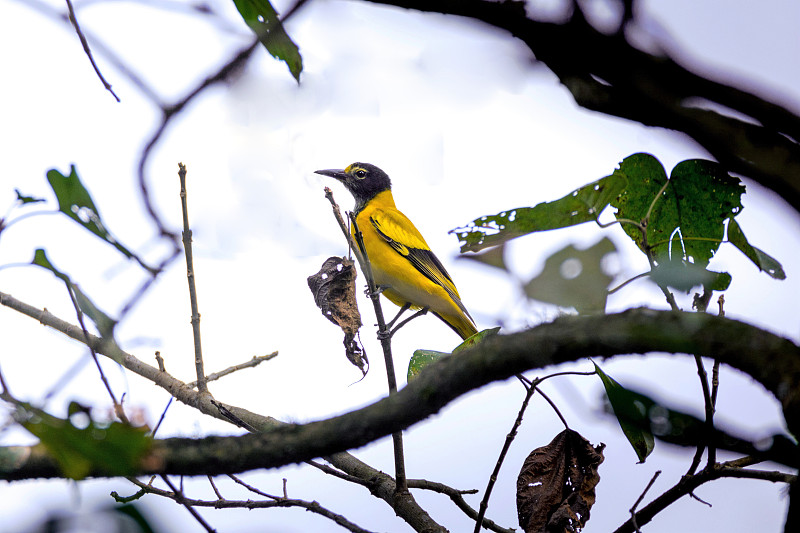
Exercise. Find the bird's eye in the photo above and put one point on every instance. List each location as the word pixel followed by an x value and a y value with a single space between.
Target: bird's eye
pixel 361 174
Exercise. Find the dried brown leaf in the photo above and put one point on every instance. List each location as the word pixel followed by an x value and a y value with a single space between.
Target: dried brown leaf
pixel 555 488
pixel 334 290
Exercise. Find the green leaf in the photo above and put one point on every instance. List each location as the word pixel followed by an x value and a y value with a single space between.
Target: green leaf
pixel 262 18
pixel 683 276
pixel 645 176
pixel 76 202
pixel 633 414
pixel 475 339
pixel 104 323
pixel 574 278
pixel 27 199
pixel 686 221
pixel 114 449
pixel 582 205
pixel 761 259
pixel 494 257
pixel 420 359
pixel 705 196
pixel 40 259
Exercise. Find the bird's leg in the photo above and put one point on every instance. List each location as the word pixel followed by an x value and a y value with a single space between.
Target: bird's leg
pixel 402 310
pixel 392 331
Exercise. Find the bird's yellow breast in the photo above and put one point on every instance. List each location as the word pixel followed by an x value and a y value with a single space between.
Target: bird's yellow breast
pixel 391 267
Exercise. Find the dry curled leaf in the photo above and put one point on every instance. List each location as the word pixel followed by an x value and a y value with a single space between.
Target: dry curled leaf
pixel 334 290
pixel 555 488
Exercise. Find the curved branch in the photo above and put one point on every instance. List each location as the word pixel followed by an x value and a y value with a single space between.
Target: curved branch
pixel 566 339
pixel 605 73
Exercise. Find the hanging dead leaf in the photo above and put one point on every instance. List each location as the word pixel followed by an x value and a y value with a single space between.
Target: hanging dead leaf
pixel 555 488
pixel 334 290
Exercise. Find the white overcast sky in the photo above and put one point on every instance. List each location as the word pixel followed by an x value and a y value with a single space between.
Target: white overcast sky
pixel 466 124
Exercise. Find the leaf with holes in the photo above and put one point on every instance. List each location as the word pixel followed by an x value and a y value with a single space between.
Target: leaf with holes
pixel 556 485
pixel 632 411
pixel 761 259
pixel 76 202
pixel 112 449
pixel 334 290
pixel 685 222
pixel 645 176
pixel 574 278
pixel 582 205
pixel 263 19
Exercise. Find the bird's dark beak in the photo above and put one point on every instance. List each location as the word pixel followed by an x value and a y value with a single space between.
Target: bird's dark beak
pixel 333 173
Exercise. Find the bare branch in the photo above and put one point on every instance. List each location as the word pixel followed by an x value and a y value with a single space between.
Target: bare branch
pixel 568 338
pixel 688 484
pixel 181 499
pixel 221 503
pixel 252 363
pixel 74 20
pixel 187 247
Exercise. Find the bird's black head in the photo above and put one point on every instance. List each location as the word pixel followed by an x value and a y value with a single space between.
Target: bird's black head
pixel 363 180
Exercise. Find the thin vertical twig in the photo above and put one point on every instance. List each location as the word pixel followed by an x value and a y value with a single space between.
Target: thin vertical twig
pixel 386 344
pixel 715 370
pixel 355 241
pixel 120 412
pixel 484 505
pixel 187 245
pixel 701 371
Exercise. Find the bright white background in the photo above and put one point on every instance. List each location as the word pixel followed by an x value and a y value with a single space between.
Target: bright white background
pixel 466 124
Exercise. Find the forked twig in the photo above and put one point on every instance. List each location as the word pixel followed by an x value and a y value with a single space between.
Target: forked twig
pixel 632 510
pixel 181 499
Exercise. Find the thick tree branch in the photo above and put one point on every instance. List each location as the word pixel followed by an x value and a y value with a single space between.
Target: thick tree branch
pixel 566 339
pixel 605 73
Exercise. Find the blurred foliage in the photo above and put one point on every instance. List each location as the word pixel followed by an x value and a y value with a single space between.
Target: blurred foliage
pixel 75 201
pixel 632 411
pixel 104 323
pixel 81 445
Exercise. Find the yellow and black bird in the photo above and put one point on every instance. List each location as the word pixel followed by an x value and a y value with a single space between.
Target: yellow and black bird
pixel 403 264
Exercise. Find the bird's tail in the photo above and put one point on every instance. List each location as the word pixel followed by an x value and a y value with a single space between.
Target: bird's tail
pixel 461 324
